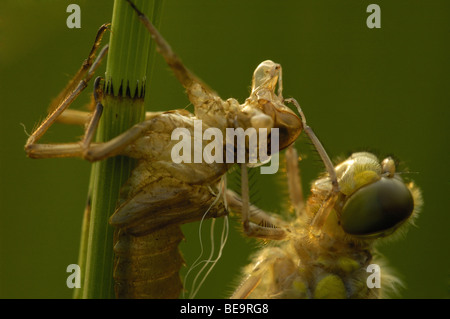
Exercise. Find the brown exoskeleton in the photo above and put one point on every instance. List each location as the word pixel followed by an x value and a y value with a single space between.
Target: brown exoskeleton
pixel 160 194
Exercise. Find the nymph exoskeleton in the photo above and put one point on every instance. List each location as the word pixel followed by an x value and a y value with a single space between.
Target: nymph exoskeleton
pixel 160 194
pixel 325 252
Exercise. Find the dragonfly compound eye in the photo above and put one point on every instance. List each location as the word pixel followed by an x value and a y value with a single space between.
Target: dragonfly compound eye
pixel 377 209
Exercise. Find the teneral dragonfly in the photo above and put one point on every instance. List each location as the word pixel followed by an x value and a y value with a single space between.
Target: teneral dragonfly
pixel 329 249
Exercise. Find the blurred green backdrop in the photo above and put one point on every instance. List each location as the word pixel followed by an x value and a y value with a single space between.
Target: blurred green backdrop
pixel 361 89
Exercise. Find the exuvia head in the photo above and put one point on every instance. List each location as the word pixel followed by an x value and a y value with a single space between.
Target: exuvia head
pixel 266 76
pixel 275 113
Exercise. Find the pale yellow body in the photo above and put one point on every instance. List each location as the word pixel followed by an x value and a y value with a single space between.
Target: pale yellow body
pixel 331 263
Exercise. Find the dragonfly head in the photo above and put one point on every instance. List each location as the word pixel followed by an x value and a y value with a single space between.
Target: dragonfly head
pixel 376 200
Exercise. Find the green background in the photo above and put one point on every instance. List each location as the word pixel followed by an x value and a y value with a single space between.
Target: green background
pixel 361 89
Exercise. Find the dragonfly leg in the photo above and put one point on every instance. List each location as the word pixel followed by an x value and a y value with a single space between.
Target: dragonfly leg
pixel 256 222
pixel 91 151
pixel 86 149
pixel 264 263
pixel 35 150
pixel 77 117
pixel 95 118
pixel 294 181
pixel 116 146
pixel 324 211
pixel 248 285
pixel 81 73
pixel 74 117
pixel 198 91
pixel 69 94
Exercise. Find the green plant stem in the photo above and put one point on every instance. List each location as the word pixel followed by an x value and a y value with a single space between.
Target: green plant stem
pixel 126 73
pixel 78 292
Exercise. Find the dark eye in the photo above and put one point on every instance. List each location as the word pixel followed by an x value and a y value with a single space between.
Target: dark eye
pixel 377 209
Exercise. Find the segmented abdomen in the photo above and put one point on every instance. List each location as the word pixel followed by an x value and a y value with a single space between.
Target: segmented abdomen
pixel 147 267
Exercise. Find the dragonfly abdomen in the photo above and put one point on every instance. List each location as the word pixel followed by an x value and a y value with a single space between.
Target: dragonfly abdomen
pixel 147 267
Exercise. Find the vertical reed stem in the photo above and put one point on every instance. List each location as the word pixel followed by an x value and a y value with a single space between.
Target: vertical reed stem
pixel 128 67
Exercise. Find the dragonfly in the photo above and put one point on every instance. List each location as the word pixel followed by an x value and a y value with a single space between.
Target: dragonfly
pixel 329 249
pixel 326 251
pixel 160 194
